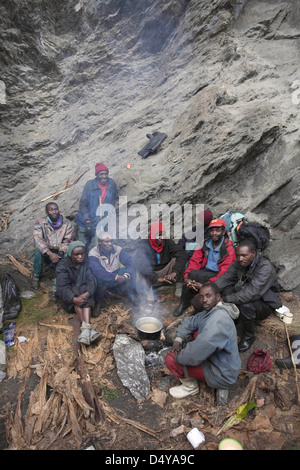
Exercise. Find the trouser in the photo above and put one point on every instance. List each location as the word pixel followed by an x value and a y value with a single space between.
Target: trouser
pixel 128 286
pixel 256 310
pixel 181 372
pixel 249 311
pixel 39 260
pixel 202 276
pixel 89 241
pixel 168 269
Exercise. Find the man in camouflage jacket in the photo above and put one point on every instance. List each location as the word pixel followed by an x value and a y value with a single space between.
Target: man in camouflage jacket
pixel 52 235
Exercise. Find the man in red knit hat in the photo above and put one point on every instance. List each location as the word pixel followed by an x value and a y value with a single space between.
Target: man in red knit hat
pixel 100 190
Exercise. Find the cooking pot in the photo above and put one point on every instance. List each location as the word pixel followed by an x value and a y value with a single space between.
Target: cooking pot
pixel 149 327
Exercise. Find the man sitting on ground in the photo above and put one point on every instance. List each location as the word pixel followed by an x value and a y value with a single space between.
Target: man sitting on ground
pixel 213 354
pixel 251 284
pixel 114 270
pixel 52 235
pixel 98 191
pixel 75 287
pixel 159 260
pixel 207 263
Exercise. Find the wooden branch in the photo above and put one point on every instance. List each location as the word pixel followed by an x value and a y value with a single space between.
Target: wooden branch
pixel 62 327
pixel 113 416
pixel 174 323
pixel 65 185
pixel 22 257
pixel 4 219
pixel 85 381
pixel 79 176
pixel 19 266
pixel 65 188
pixel 294 365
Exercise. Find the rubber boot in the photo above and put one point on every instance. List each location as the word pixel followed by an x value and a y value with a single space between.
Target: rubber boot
pixel 248 335
pixel 178 290
pixel 189 386
pixel 96 311
pixel 184 303
pixel 287 362
pixel 35 283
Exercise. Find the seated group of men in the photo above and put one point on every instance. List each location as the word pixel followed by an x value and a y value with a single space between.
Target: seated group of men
pixel 223 283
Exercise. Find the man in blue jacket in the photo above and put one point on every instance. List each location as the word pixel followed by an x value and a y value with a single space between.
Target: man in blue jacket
pixel 114 270
pixel 98 191
pixel 212 356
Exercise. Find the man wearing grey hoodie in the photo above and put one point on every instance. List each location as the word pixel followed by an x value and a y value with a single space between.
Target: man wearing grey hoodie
pixel 213 354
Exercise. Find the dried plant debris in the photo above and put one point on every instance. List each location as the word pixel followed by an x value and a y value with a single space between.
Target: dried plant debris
pixel 79 398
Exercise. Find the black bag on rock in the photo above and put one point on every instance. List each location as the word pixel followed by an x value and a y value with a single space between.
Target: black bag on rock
pixel 10 297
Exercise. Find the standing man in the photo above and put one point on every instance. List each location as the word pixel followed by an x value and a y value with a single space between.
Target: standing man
pixel 52 235
pixel 207 263
pixel 212 356
pixel 251 284
pixel 98 191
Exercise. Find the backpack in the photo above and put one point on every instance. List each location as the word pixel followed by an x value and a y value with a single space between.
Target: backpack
pixel 233 221
pixel 256 232
pixel 259 361
pixel 10 298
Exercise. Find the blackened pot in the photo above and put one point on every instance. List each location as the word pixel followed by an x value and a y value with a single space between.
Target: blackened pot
pixel 149 328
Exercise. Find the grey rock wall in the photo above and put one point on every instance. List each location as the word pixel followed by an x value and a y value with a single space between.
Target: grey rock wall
pixel 86 81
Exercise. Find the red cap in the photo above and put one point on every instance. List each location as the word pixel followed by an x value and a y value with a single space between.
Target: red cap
pixel 156 228
pixel 217 223
pixel 100 167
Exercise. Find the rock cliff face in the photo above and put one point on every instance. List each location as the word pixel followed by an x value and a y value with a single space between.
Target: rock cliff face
pixel 85 82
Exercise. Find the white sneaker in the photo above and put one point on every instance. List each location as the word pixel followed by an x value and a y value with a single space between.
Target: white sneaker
pixel 188 387
pixel 84 336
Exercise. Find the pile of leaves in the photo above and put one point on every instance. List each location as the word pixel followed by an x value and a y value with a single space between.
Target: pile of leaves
pixel 262 413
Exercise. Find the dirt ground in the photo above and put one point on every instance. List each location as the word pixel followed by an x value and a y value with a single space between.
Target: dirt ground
pixel 42 402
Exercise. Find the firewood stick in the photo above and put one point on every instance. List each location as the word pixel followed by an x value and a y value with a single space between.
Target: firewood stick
pixel 176 322
pixel 55 194
pixel 19 266
pixel 116 418
pixel 79 176
pixel 62 327
pixel 294 365
pixel 65 185
pixel 66 189
pixel 85 381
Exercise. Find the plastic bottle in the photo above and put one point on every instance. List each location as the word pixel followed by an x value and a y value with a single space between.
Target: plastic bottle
pixel 2 360
pixel 8 334
pixel 1 308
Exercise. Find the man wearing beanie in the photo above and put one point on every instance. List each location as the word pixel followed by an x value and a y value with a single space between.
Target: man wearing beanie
pixel 207 263
pixel 100 190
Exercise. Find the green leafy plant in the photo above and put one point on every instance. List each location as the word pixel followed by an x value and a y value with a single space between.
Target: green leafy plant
pixel 239 415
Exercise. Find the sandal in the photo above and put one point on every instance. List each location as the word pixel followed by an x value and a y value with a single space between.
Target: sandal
pixel 94 335
pixel 84 336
